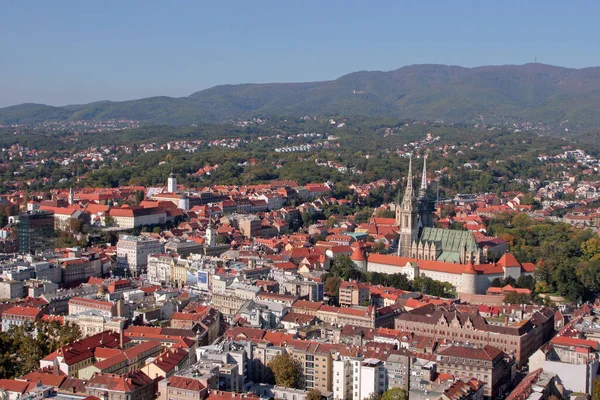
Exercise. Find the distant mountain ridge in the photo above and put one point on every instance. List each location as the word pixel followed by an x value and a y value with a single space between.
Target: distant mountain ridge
pixel 529 92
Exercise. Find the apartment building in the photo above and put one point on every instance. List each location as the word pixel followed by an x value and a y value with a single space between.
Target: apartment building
pixel 488 364
pixel 133 252
pixel 181 388
pixel 132 386
pixel 576 360
pixel 358 378
pixel 158 270
pixel 11 290
pixel 262 354
pixel 306 290
pixel 178 273
pixel 316 365
pixel 227 304
pixel 316 360
pixel 353 293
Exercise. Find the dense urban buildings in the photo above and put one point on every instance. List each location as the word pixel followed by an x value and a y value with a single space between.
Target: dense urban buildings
pixel 177 291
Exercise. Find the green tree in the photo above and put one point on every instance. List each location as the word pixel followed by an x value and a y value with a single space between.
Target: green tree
pixel 364 215
pixel 517 298
pixel 222 239
pixel 22 347
pixel 286 371
pixel 75 225
pixel 139 196
pixel 343 267
pixel 109 220
pixel 497 282
pixel 332 285
pixel 313 394
pixel 526 282
pixel 306 219
pixel 380 248
pixel 596 389
pixel 394 394
pixel 385 213
pixel 591 247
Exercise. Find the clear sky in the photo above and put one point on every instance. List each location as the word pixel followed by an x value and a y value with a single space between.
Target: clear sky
pixel 66 52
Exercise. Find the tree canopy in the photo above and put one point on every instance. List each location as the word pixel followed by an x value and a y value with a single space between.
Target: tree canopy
pixel 286 371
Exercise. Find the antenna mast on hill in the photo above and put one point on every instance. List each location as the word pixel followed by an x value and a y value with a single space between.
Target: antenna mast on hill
pixel 535 60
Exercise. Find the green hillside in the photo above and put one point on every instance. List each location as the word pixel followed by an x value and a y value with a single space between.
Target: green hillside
pixel 530 92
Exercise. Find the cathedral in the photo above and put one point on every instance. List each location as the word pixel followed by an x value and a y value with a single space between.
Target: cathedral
pixel 420 240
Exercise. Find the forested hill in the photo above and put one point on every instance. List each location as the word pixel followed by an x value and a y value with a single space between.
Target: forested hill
pixel 530 92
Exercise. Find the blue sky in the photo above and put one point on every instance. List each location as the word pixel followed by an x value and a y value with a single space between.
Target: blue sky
pixel 67 52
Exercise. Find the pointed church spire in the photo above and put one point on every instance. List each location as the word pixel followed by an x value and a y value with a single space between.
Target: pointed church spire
pixel 409 181
pixel 424 177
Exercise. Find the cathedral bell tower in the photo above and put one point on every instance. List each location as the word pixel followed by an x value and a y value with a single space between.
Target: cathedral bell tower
pixel 425 208
pixel 407 217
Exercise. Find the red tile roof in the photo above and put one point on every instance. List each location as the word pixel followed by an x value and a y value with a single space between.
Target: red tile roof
pixel 508 260
pixel 486 353
pixel 182 382
pixel 11 385
pixel 29 312
pixel 119 383
pixel 298 318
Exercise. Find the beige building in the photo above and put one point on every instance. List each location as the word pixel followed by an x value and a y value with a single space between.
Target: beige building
pixel 262 355
pixel 132 386
pixel 353 293
pixel 158 270
pixel 179 269
pixel 519 340
pixel 123 362
pixel 11 290
pixel 488 365
pixel 250 226
pixel 91 322
pixel 131 217
pixel 133 252
pixel 227 304
pixel 167 363
pixel 316 366
pixel 182 388
pixel 108 309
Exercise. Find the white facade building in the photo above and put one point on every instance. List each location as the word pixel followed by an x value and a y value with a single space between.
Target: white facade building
pixel 358 379
pixel 159 268
pixel 172 183
pixel 133 252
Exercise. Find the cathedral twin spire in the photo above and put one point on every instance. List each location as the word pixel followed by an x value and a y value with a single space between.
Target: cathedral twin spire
pixel 424 178
pixel 409 192
pixel 412 213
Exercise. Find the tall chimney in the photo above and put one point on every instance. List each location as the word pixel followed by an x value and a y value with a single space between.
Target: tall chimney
pixel 122 338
